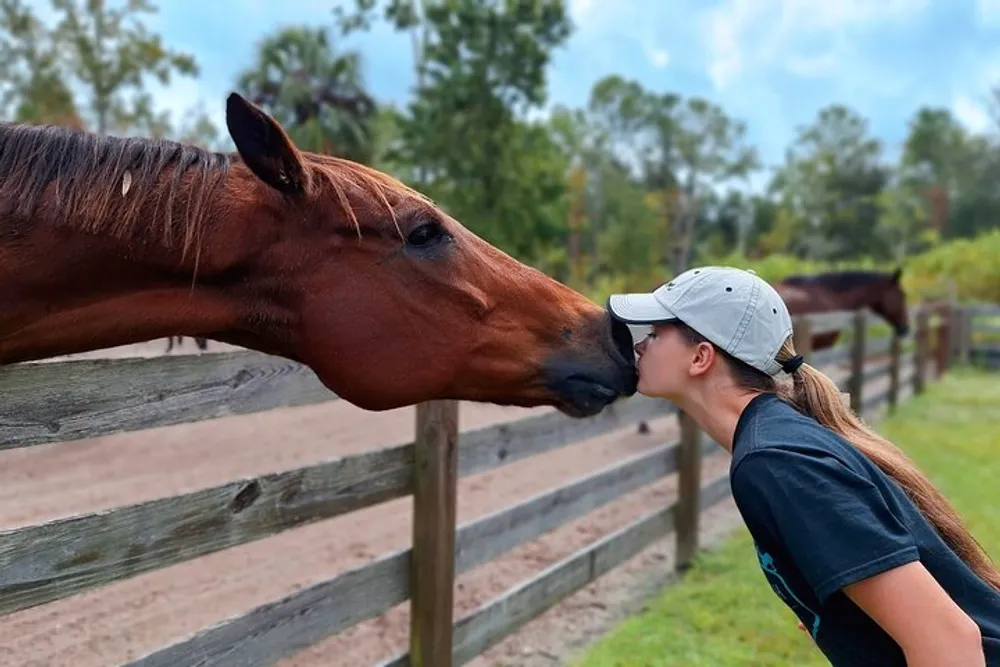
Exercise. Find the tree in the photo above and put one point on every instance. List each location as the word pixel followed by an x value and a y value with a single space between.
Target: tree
pixel 110 52
pixel 316 92
pixel 480 68
pixel 830 187
pixel 953 171
pixel 33 89
pixel 682 150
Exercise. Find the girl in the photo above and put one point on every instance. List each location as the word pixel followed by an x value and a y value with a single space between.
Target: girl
pixel 850 534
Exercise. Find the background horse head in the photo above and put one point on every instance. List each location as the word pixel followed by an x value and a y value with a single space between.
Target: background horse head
pixel 107 241
pixel 881 292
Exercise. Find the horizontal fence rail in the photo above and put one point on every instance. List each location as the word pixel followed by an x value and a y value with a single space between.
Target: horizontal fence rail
pixel 69 400
pixel 62 401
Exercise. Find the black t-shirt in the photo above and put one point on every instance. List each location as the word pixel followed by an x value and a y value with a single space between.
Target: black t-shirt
pixel 822 516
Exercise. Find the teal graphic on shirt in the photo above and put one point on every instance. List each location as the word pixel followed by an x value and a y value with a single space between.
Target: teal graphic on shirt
pixel 784 591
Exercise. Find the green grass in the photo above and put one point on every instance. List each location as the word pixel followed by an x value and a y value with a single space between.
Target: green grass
pixel 724 614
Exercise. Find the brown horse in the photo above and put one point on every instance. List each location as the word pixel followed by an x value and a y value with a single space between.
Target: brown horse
pixel 107 241
pixel 846 290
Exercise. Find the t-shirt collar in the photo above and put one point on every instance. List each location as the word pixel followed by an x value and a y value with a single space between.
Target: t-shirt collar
pixel 756 404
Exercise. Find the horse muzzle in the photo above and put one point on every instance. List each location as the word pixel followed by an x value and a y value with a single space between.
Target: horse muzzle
pixel 584 383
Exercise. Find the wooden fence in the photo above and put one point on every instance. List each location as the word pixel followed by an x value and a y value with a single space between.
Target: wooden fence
pixel 68 400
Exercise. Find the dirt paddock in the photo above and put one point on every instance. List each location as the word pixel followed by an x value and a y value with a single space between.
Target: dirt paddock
pixel 114 623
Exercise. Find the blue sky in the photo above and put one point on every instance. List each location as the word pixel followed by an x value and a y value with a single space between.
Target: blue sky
pixel 772 63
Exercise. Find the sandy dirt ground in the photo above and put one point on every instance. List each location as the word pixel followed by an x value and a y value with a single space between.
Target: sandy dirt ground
pixel 114 623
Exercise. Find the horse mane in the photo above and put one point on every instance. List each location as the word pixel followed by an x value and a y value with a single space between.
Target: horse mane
pixel 838 281
pixel 106 183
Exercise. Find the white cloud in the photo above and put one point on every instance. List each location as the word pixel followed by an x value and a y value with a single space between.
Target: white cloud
pixel 659 58
pixel 988 12
pixel 971 113
pixel 812 66
pixel 746 35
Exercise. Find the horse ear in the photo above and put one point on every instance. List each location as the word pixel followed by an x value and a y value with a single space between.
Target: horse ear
pixel 897 274
pixel 265 147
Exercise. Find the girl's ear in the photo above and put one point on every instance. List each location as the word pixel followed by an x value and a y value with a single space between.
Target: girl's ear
pixel 703 359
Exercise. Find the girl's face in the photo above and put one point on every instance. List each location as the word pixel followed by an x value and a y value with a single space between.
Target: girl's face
pixel 664 359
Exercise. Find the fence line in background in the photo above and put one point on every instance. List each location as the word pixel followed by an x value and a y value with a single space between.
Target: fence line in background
pixel 66 400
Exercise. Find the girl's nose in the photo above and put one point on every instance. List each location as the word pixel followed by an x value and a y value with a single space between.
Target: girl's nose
pixel 640 346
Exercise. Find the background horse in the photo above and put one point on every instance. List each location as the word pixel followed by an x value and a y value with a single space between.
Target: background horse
pixel 846 290
pixel 201 342
pixel 108 241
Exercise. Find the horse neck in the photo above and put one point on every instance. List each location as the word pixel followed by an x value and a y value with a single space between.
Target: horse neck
pixel 65 292
pixel 856 298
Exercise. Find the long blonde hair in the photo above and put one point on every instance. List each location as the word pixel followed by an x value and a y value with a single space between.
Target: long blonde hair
pixel 816 395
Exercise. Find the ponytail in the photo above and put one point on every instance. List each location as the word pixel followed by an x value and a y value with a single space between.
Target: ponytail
pixel 816 395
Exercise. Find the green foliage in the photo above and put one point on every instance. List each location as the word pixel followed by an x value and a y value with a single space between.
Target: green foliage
pixel 830 186
pixel 107 52
pixel 110 51
pixel 34 88
pixel 965 268
pixel 724 613
pixel 315 92
pixel 480 68
pixel 612 195
pixel 972 265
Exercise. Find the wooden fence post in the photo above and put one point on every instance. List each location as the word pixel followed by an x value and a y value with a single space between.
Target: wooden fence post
pixel 432 563
pixel 894 357
pixel 964 336
pixel 856 382
pixel 802 337
pixel 944 335
pixel 688 490
pixel 920 354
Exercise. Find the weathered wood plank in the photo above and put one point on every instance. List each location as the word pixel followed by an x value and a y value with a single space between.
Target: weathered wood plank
pixel 70 400
pixel 486 538
pixel 432 561
pixel 53 560
pixel 520 604
pixel 476 542
pixel 875 371
pixel 984 309
pixel 982 328
pixel 715 491
pixel 878 347
pixel 875 401
pixel 274 630
pixel 830 357
pixel 513 441
pixel 828 322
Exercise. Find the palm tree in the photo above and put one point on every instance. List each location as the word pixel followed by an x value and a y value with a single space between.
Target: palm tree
pixel 315 92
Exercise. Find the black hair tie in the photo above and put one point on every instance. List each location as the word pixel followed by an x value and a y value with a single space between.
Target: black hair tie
pixel 792 365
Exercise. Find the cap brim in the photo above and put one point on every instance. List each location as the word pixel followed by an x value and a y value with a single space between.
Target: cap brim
pixel 638 309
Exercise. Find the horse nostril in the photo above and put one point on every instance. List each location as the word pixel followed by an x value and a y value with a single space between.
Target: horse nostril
pixel 622 337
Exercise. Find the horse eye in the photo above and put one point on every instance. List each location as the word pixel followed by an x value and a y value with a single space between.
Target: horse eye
pixel 425 234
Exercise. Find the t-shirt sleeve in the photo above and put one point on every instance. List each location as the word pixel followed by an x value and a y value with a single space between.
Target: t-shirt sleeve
pixel 832 520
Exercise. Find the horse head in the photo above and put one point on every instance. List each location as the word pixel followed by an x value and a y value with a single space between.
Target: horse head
pixel 889 302
pixel 391 301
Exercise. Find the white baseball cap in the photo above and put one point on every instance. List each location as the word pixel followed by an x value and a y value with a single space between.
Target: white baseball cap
pixel 735 309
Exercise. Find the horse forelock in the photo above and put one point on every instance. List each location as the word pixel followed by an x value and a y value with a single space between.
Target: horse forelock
pixel 344 176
